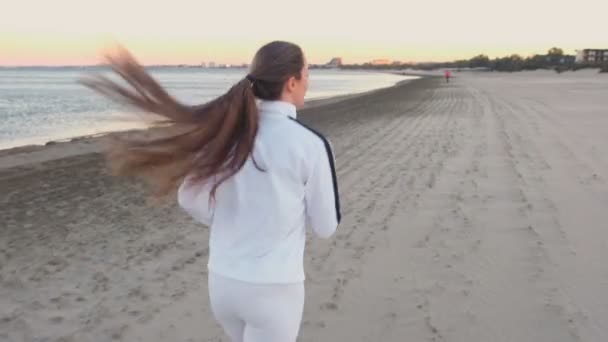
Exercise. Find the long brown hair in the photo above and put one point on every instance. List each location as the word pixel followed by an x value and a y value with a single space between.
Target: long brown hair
pixel 211 141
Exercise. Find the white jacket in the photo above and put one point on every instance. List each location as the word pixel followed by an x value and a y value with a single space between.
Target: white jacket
pixel 259 218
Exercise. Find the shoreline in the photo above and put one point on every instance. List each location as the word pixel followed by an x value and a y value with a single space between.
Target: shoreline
pixel 324 101
pixel 33 143
pixel 93 143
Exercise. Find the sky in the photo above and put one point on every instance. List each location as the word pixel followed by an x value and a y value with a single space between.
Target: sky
pixel 76 32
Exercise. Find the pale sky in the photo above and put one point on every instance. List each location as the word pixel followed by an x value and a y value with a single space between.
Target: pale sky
pixel 66 32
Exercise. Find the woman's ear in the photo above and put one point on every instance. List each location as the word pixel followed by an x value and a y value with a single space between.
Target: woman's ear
pixel 291 84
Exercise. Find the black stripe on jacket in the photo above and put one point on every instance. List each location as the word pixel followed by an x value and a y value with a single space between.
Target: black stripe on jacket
pixel 332 166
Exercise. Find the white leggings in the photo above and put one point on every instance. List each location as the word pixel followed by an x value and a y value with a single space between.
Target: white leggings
pixel 251 312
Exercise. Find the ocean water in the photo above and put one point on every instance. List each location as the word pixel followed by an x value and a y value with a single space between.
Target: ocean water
pixel 38 105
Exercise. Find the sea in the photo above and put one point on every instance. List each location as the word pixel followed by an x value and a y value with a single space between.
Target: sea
pixel 42 104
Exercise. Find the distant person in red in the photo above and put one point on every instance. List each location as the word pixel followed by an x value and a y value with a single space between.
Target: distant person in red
pixel 448 74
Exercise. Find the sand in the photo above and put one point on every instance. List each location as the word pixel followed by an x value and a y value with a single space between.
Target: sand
pixel 473 211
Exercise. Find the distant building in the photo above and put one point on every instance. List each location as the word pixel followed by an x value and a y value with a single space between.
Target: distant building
pixel 564 59
pixel 335 62
pixel 592 56
pixel 203 65
pixel 212 64
pixel 380 62
pixel 568 59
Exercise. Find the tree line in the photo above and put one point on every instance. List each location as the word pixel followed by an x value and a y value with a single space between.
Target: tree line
pixel 554 59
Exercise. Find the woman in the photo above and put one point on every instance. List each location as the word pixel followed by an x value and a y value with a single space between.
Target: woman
pixel 253 173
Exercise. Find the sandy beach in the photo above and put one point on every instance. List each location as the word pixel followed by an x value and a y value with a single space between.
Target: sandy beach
pixel 472 211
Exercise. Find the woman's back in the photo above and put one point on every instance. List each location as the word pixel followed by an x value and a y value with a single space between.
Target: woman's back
pixel 259 217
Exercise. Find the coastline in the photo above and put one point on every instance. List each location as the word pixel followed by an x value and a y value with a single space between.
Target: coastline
pixel 54 149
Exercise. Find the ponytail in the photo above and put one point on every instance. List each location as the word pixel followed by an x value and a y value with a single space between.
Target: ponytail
pixel 210 141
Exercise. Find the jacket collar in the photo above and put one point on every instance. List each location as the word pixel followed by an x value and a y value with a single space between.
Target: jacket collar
pixel 277 108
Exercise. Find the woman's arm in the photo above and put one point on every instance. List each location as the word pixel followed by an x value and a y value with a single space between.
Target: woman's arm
pixel 194 198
